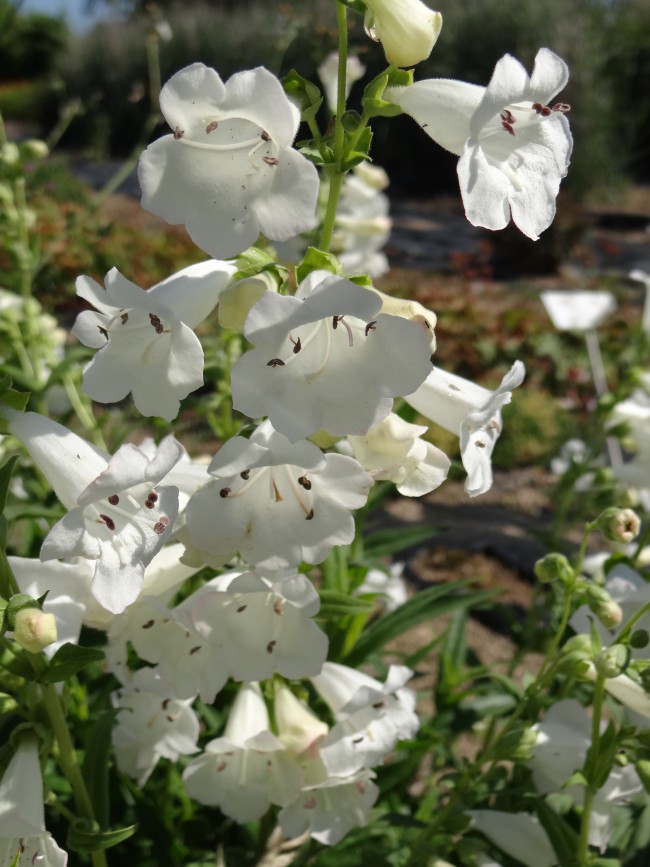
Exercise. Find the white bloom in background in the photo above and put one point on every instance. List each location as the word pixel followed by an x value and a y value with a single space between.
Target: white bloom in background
pixel 248 768
pixel 563 739
pixel 363 224
pixel 275 503
pixel 371 716
pixel 514 150
pixel 263 626
pixel 519 835
pixel 635 473
pixel 117 516
pixel 328 72
pixel 470 411
pixel 228 170
pixel 152 724
pixel 145 340
pixel 578 311
pixel 390 586
pixel 394 451
pixel 644 278
pixel 327 359
pixel 24 841
pixel 407 29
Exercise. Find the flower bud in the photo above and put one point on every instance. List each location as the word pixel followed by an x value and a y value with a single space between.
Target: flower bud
pixel 34 149
pixel 618 525
pixel 643 770
pixel 407 29
pixel 553 567
pixel 639 639
pixel 235 303
pixel 9 153
pixel 34 629
pixel 603 606
pixel 613 660
pixel 16 604
pixel 576 656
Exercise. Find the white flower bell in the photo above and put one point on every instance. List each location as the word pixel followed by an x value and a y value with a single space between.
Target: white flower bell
pixel 228 170
pixel 407 29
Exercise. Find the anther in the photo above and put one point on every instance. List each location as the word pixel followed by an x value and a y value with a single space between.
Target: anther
pixel 179 133
pixel 270 161
pixel 102 331
pixel 194 650
pixel 113 499
pixel 335 321
pixel 242 608
pixel 245 474
pixel 371 326
pixel 156 323
pixel 153 496
pixel 277 606
pixel 165 703
pixel 297 345
pixel 309 516
pixel 160 527
pixel 265 136
pixel 562 106
pixel 211 127
pixel 125 318
pixel 223 493
pixel 508 116
pixel 270 647
pixel 508 127
pixel 275 362
pixel 148 624
pixel 149 504
pixel 110 523
pixel 305 483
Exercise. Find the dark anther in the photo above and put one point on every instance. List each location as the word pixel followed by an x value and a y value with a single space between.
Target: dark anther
pixel 545 111
pixel 357 740
pixel 537 106
pixel 508 116
pixel 309 515
pixel 157 324
pixel 148 624
pixel 242 608
pixel 223 493
pixel 378 705
pixel 179 133
pixel 125 318
pixel 304 481
pixel 275 362
pixel 265 136
pixel 508 127
pixel 297 345
pixel 562 106
pixel 153 496
pixel 102 331
pixel 211 127
pixel 165 703
pixel 480 444
pixel 149 504
pixel 335 321
pixel 113 499
pixel 245 474
pixel 270 161
pixel 110 523
pixel 160 527
pixel 194 650
pixel 371 326
pixel 270 647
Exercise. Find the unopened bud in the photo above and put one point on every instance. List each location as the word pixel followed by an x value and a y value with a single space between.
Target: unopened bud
pixel 17 603
pixel 639 639
pixel 518 745
pixel 603 606
pixel 9 153
pixel 34 149
pixel 613 660
pixel 576 656
pixel 643 770
pixel 553 567
pixel 34 629
pixel 619 525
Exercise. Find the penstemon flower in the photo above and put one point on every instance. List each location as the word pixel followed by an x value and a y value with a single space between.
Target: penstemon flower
pixel 327 359
pixel 228 170
pixel 274 502
pixel 407 29
pixel 514 150
pixel 473 413
pixel 145 340
pixel 117 516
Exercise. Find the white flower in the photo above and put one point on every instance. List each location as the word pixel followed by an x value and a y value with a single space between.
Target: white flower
pixel 644 278
pixel 328 72
pixel 563 739
pixel 390 586
pixel 24 841
pixel 117 516
pixel 371 717
pixel 152 724
pixel 635 473
pixel 363 224
pixel 578 311
pixel 513 149
pixel 327 359
pixel 275 503
pixel 519 835
pixel 263 625
pixel 145 340
pixel 407 29
pixel 228 171
pixel 393 450
pixel 247 769
pixel 470 411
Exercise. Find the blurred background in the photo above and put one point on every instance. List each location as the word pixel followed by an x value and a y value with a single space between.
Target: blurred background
pixel 90 61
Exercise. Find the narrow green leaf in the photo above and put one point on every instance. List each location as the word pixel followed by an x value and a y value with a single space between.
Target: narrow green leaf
pixel 335 604
pixel 392 541
pixel 425 605
pixel 95 765
pixel 68 660
pixel 85 837
pixel 564 839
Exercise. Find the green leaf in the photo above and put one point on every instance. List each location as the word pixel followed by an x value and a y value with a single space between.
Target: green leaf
pixel 392 541
pixel 13 399
pixel 355 5
pixel 425 605
pixel 304 92
pixel 360 152
pixel 95 765
pixel 335 604
pixel 315 260
pixel 5 478
pixel 68 660
pixel 564 839
pixel 489 705
pixel 85 837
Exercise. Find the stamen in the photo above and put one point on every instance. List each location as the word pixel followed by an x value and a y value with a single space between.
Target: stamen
pixel 305 483
pixel 179 133
pixel 241 608
pixel 349 330
pixel 245 474
pixel 160 527
pixel 113 499
pixel 335 321
pixel 194 650
pixel 277 606
pixel 371 326
pixel 271 161
pixel 275 362
pixel 156 323
pixel 270 647
pixel 508 116
pixel 102 331
pixel 223 493
pixel 276 493
pixel 235 146
pixel 297 346
pixel 310 515
pixel 265 136
pixel 125 318
pixel 211 127
pixel 508 127
pixel 562 106
pixel 110 523
pixel 153 496
pixel 149 504
pixel 148 624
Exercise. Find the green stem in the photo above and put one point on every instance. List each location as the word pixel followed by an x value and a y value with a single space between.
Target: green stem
pixel 83 411
pixel 592 761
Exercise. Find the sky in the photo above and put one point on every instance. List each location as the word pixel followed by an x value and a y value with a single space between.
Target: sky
pixel 74 10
